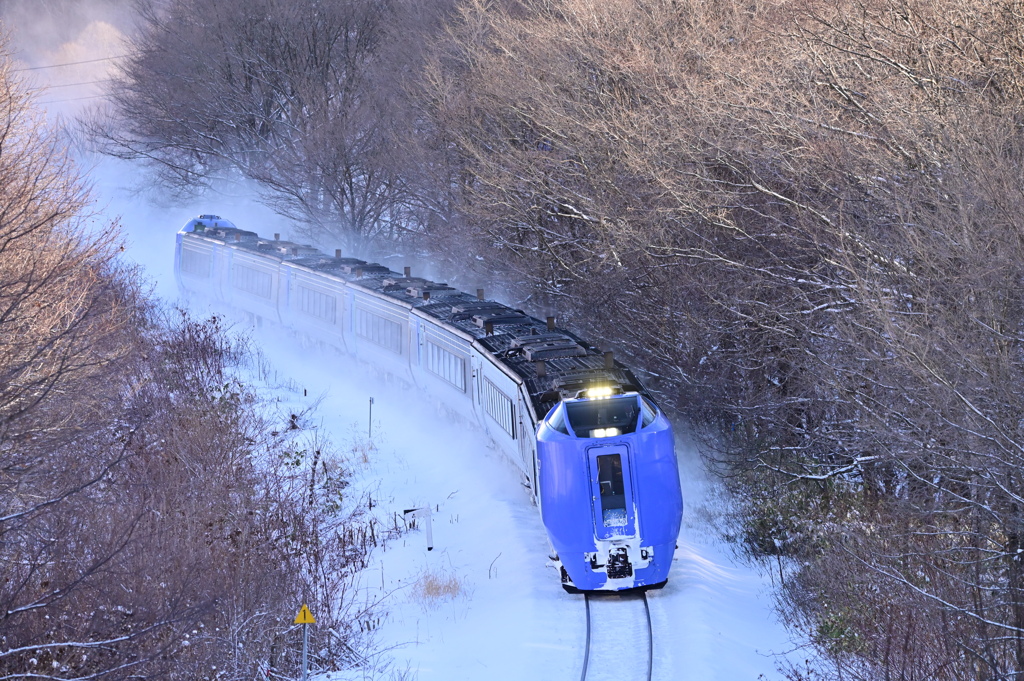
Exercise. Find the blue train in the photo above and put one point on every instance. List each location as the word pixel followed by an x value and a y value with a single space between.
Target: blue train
pixel 595 451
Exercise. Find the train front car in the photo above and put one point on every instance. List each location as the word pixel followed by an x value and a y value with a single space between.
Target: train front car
pixel 195 257
pixel 609 488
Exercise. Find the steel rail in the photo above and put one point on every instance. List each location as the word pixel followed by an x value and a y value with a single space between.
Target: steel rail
pixel 586 648
pixel 650 639
pixel 588 653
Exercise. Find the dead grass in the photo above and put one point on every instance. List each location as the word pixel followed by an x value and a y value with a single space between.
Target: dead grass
pixel 435 587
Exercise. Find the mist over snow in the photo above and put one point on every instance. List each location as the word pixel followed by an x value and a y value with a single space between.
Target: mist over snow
pixel 149 218
pixel 496 610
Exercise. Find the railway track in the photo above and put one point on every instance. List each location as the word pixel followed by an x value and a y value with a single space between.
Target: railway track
pixel 620 640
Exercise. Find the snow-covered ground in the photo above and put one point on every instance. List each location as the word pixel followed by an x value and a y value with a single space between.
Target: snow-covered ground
pixel 483 604
pixel 510 619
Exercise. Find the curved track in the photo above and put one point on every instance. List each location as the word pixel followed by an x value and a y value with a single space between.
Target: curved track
pixel 620 639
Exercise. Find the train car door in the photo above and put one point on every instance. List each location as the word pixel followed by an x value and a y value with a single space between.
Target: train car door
pixel 477 364
pixel 611 491
pixel 527 446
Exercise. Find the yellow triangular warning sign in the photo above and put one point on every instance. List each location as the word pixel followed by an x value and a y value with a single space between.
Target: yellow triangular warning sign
pixel 304 616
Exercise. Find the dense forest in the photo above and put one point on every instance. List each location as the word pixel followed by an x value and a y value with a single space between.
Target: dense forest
pixel 800 219
pixel 156 519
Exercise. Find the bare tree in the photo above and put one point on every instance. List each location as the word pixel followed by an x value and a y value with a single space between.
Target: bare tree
pixel 153 522
pixel 801 220
pixel 301 97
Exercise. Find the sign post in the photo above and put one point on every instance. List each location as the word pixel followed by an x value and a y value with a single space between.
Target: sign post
pixel 369 428
pixel 305 618
pixel 425 514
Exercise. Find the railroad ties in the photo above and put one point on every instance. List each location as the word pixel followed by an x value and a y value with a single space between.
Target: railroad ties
pixel 619 638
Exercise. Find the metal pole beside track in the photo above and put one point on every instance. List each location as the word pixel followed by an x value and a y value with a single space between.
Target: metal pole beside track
pixel 305 618
pixel 305 648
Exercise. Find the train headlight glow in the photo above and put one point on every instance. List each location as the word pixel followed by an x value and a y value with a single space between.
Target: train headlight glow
pixel 604 391
pixel 605 432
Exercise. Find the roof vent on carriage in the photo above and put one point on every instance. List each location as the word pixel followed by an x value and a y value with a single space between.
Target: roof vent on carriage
pixel 336 264
pixel 432 290
pixel 548 346
pixel 494 317
pixel 397 282
pixel 347 262
pixel 371 269
pixel 467 309
pixel 318 262
pixel 230 235
pixel 349 265
pixel 288 248
pixel 534 338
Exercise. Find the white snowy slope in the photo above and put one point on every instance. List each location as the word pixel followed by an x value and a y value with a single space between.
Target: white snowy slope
pixel 510 619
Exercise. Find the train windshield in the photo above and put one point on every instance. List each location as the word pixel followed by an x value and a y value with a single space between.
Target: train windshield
pixel 603 418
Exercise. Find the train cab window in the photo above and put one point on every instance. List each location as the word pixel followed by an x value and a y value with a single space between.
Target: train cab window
pixel 604 417
pixel 557 420
pixel 613 490
pixel 649 412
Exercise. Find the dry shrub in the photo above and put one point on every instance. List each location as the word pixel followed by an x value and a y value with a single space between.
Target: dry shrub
pixel 433 587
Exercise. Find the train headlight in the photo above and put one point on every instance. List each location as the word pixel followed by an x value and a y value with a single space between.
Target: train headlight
pixel 605 432
pixel 604 391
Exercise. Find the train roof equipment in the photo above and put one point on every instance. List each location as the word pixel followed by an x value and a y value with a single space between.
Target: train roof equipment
pixel 553 363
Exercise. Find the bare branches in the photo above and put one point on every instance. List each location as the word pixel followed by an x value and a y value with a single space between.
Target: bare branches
pixel 144 507
pixel 302 97
pixel 804 221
